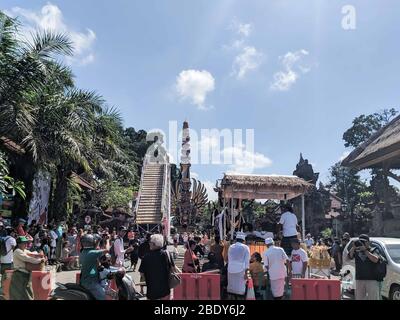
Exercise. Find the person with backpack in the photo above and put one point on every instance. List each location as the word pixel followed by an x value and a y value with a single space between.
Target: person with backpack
pixel 155 269
pixel 7 245
pixel 366 261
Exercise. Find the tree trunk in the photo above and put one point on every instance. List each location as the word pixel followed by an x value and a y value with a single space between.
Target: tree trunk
pixel 377 223
pixel 22 169
pixel 60 197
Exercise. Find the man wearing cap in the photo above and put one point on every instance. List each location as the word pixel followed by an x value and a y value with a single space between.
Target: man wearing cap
pixel 119 247
pixel 20 229
pixel 366 258
pixel 238 265
pixel 21 281
pixel 309 241
pixel 275 260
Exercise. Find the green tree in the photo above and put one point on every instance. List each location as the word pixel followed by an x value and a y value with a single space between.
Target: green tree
pixel 62 128
pixel 112 195
pixel 362 129
pixel 364 126
pixel 348 186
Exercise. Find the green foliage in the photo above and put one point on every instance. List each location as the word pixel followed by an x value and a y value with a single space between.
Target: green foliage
pixel 61 127
pixel 365 125
pixel 347 184
pixel 112 195
pixel 7 183
pixel 327 233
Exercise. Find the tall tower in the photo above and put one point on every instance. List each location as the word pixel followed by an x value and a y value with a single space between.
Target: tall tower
pixel 189 196
pixel 185 185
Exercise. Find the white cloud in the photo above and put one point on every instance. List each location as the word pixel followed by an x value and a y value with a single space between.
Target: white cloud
pixel 244 29
pixel 245 161
pixel 249 59
pixel 50 18
pixel 344 155
pixel 212 195
pixel 194 175
pixel 285 79
pixel 195 85
pixel 208 142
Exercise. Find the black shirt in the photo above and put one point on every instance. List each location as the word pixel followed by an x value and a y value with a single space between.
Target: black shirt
pixel 210 266
pixel 144 248
pixel 199 250
pixel 155 268
pixel 365 268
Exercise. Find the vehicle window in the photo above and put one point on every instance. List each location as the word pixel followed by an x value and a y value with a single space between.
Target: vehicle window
pixel 394 252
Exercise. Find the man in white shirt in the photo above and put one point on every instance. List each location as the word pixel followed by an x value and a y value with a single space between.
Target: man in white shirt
pixel 289 225
pixel 238 265
pixel 119 247
pixel 6 261
pixel 275 260
pixel 298 261
pixel 309 241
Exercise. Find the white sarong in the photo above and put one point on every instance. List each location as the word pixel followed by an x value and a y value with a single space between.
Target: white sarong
pixel 236 283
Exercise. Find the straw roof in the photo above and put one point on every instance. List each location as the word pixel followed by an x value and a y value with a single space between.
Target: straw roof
pixel 246 186
pixel 382 149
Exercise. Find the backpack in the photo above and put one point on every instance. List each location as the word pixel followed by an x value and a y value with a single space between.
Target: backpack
pixel 3 246
pixel 381 269
pixel 174 278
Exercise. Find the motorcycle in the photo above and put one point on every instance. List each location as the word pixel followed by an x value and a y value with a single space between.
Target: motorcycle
pixel 125 289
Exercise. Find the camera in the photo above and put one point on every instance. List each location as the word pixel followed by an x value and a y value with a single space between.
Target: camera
pixel 358 243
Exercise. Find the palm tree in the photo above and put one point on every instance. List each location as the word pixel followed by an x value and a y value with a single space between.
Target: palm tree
pixel 61 127
pixel 23 67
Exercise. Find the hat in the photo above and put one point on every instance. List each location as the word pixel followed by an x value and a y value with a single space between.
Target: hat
pixel 22 240
pixel 269 241
pixel 22 220
pixel 308 235
pixel 122 228
pixel 346 235
pixel 241 236
pixel 363 237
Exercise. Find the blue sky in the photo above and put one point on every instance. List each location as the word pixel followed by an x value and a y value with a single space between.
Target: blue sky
pixel 286 68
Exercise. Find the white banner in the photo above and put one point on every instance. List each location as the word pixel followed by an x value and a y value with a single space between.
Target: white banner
pixel 38 207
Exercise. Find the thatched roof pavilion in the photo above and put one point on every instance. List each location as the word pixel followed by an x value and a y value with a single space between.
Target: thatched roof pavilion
pixel 248 186
pixel 382 150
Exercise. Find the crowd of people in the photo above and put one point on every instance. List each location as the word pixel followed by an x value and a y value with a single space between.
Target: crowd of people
pixel 63 247
pixel 25 248
pixel 286 257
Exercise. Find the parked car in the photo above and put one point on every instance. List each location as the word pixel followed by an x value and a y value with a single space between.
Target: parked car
pixel 389 248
